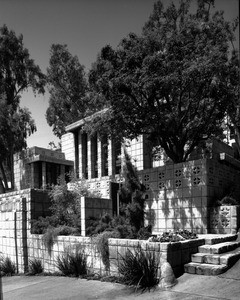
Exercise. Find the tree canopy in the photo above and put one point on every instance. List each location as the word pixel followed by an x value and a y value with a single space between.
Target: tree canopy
pixel 67 87
pixel 18 72
pixel 172 82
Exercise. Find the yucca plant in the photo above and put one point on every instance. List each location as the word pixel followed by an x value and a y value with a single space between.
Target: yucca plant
pixel 35 266
pixel 7 267
pixel 139 268
pixel 72 264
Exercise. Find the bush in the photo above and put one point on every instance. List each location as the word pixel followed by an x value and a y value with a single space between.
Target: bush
pixel 41 225
pixel 72 264
pixel 67 230
pixel 175 236
pixel 7 267
pixel 35 266
pixel 101 241
pixel 139 269
pixel 227 200
pixel 49 238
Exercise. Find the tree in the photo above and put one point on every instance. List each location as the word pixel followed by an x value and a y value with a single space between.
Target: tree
pixel 172 82
pixel 234 105
pixel 17 73
pixel 67 87
pixel 133 189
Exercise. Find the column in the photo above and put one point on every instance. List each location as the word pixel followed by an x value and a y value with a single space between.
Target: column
pixel 111 170
pixel 99 150
pixel 89 156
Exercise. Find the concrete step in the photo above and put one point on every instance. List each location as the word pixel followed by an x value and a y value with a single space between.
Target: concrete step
pixel 204 269
pixel 219 248
pixel 211 239
pixel 228 258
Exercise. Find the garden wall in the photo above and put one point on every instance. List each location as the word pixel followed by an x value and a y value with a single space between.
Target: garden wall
pixel 179 196
pixel 15 211
pixel 177 254
pixel 225 219
pixel 18 208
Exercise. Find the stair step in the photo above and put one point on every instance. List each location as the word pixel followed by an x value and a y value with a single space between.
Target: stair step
pixel 227 258
pixel 219 248
pixel 204 269
pixel 211 239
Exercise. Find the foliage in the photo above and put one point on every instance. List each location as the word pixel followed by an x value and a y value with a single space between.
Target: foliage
pixel 49 238
pixel 227 200
pixel 35 266
pixel 101 241
pixel 65 205
pixel 176 236
pixel 40 225
pixel 73 264
pixel 130 223
pixel 67 87
pixel 132 188
pixel 174 82
pixel 7 267
pixel 18 72
pixel 139 268
pixel 65 208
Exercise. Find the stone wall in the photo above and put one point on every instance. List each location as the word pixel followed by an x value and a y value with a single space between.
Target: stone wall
pixel 180 195
pixel 177 254
pixel 225 219
pixel 15 211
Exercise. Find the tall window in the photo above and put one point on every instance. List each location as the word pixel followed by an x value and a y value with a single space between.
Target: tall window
pixel 76 147
pixel 84 156
pixel 104 151
pixel 94 156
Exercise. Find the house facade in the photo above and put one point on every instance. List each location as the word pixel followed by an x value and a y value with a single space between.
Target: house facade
pixel 178 196
pixel 37 168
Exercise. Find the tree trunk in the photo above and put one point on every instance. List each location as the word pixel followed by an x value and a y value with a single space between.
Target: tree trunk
pixel 2 189
pixel 4 176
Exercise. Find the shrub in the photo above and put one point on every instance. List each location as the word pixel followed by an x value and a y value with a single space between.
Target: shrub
pixel 72 264
pixel 139 269
pixel 67 230
pixel 41 225
pixel 227 200
pixel 35 266
pixel 101 241
pixel 176 236
pixel 7 267
pixel 49 238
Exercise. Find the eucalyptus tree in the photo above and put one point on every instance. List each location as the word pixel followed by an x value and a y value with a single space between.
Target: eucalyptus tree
pixel 68 88
pixel 18 72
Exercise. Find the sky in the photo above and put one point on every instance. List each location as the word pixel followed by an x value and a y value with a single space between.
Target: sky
pixel 85 26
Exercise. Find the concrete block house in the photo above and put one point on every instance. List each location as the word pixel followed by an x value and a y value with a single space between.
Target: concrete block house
pixel 179 196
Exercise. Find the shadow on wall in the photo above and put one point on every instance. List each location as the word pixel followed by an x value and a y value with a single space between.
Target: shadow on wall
pixel 150 212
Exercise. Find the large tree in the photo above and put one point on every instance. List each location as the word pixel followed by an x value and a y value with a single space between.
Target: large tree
pixel 67 87
pixel 18 72
pixel 171 82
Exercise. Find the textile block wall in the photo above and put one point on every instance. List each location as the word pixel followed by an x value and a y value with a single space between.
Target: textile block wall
pixel 179 195
pixel 68 146
pixel 15 210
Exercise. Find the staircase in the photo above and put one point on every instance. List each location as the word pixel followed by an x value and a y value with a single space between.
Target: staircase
pixel 219 253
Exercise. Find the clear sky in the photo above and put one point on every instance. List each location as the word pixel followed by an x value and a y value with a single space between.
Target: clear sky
pixel 85 26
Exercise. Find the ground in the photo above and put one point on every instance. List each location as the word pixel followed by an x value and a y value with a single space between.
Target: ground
pixel 189 287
